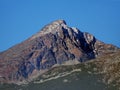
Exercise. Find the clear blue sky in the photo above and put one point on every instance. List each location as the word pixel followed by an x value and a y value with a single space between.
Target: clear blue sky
pixel 19 19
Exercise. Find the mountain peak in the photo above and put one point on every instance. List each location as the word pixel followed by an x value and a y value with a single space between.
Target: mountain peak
pixel 52 27
pixel 54 44
pixel 59 22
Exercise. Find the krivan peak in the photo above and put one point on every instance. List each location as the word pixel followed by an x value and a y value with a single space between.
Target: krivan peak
pixel 53 27
pixel 59 22
pixel 55 44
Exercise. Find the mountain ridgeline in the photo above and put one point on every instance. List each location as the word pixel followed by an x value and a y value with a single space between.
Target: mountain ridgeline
pixel 55 44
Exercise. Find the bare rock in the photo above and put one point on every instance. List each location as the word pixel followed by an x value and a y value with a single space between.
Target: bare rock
pixel 55 43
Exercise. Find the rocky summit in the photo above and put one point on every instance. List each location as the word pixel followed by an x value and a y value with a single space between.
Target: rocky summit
pixel 55 44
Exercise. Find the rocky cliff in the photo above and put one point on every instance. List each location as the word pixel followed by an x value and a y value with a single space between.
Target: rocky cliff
pixel 54 44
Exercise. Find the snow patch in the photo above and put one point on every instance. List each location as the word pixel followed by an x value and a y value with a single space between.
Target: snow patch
pixel 75 30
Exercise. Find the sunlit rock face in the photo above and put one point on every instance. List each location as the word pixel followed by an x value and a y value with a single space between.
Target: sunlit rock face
pixel 54 44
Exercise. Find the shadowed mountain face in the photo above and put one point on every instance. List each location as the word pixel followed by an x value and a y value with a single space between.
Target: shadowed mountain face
pixel 55 44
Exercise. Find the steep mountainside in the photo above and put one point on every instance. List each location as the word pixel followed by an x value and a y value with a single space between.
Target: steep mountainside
pixel 55 44
pixel 102 73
